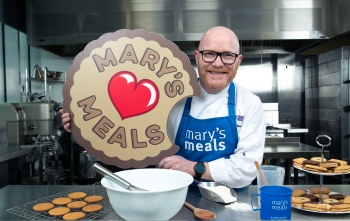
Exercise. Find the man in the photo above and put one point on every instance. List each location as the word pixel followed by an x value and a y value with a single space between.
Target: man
pixel 221 133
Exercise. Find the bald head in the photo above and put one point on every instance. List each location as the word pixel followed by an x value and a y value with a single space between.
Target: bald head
pixel 215 75
pixel 219 36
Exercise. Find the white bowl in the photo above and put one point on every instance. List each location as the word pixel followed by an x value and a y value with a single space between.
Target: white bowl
pixel 167 190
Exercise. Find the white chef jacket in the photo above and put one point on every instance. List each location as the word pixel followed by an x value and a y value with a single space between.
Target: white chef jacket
pixel 239 170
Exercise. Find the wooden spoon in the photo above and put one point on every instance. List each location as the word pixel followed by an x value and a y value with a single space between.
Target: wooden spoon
pixel 261 173
pixel 201 213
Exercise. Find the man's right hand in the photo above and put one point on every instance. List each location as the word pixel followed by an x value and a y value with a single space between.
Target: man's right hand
pixel 65 120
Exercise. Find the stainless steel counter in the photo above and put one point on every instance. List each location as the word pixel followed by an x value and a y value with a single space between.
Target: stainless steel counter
pixel 9 152
pixel 280 150
pixel 294 130
pixel 18 195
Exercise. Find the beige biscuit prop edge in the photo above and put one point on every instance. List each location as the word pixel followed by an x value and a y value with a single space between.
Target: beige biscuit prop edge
pixel 111 115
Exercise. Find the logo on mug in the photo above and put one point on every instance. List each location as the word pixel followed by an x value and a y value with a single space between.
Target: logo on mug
pixel 275 202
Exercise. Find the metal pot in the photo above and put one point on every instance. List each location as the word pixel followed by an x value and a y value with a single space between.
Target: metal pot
pixel 52 74
pixel 37 72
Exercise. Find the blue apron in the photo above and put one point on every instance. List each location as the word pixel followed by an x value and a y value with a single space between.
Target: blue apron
pixel 208 139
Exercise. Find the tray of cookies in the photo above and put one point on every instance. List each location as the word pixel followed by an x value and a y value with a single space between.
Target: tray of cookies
pixel 84 202
pixel 322 166
pixel 320 200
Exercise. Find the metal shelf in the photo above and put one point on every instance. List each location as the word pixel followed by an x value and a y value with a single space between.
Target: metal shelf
pixel 47 82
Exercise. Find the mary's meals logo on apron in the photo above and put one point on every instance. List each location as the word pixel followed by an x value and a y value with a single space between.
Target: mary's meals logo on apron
pixel 119 92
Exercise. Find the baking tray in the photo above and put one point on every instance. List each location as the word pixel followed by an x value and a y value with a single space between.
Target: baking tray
pixel 28 213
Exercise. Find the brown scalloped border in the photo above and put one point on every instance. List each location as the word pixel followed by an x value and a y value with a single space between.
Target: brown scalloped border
pixel 86 53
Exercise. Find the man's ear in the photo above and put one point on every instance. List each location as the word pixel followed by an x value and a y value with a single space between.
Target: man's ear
pixel 197 56
pixel 239 59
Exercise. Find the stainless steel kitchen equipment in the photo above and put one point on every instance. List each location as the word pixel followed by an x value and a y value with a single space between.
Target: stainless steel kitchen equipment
pixel 38 118
pixel 180 21
pixel 271 119
pixel 86 161
pixel 25 120
pixel 52 74
pixel 37 72
pixel 115 178
pixel 44 77
pixel 272 131
pixel 29 126
pixel 271 113
pixel 323 145
pixel 12 121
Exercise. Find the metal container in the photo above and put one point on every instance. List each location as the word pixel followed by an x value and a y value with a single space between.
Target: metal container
pixel 207 190
pixel 85 165
pixel 39 118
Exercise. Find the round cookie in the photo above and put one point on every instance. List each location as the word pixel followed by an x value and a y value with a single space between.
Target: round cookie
pixel 93 199
pixel 76 204
pixel 40 207
pixel 59 211
pixel 92 208
pixel 61 201
pixel 77 195
pixel 319 159
pixel 74 216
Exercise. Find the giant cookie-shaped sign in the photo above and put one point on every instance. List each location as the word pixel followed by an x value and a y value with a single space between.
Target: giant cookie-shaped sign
pixel 119 92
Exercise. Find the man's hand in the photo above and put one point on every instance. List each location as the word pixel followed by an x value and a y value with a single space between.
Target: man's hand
pixel 178 163
pixel 65 120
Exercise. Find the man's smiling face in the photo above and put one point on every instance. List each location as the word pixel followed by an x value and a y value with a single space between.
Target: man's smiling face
pixel 216 75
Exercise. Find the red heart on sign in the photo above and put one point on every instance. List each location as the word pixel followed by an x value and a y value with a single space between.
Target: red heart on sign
pixel 131 98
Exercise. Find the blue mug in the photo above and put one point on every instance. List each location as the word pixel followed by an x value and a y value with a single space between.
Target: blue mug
pixel 275 201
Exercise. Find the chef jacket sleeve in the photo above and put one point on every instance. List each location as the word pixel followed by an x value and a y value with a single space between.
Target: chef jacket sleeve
pixel 239 169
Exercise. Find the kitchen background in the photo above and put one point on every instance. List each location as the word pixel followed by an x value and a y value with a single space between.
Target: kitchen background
pixel 295 58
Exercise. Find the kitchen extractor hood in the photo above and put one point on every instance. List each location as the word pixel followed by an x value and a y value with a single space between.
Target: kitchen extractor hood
pixel 270 26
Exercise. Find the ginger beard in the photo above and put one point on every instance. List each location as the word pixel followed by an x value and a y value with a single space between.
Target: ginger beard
pixel 215 79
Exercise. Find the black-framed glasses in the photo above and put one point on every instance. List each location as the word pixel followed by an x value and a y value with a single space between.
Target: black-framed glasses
pixel 226 57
